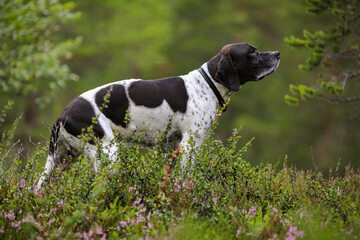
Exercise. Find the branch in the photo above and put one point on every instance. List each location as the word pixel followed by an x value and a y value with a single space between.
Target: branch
pixel 353 74
pixel 342 100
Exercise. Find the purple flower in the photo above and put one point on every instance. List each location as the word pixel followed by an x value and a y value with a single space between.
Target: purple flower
pixel 252 211
pixel 274 210
pixel 136 202
pixel 22 183
pixel 293 232
pixel 60 204
pixel 290 238
pixel 11 215
pixel 195 201
pixel 16 225
pixel 123 224
pixel 148 216
pixel 35 190
pixel 99 231
pixel 51 221
pixel 132 188
pixel 140 219
pixel 238 232
pixel 85 236
pixel 243 211
pixel 143 209
pixel 215 200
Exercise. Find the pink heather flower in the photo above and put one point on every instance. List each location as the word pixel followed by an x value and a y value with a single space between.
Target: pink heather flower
pixel 231 214
pixel 85 236
pixel 150 225
pixel 22 183
pixel 35 190
pixel 143 209
pixel 252 211
pixel 148 216
pixel 238 232
pixel 103 237
pixel 99 231
pixel 78 235
pixel 140 219
pixel 290 238
pixel 46 234
pixel 20 211
pixel 16 225
pixel 136 202
pixel 215 200
pixel 132 188
pixel 274 210
pixel 293 232
pixel 11 215
pixel 60 204
pixel 243 211
pixel 123 224
pixel 51 221
pixel 195 201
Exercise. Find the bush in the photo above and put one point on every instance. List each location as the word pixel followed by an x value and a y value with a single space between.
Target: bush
pixel 217 195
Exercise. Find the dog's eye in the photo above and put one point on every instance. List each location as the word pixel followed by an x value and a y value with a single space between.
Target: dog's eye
pixel 252 50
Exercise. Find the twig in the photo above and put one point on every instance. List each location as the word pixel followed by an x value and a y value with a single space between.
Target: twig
pixel 342 100
pixel 168 171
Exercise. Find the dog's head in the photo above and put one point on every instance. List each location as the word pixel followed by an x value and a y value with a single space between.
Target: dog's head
pixel 239 63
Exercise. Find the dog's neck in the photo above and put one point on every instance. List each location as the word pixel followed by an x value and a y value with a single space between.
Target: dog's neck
pixel 210 69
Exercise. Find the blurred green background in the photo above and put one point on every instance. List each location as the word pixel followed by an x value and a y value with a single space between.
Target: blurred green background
pixel 150 39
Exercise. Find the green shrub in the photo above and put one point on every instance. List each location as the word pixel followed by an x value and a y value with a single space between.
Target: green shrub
pixel 217 195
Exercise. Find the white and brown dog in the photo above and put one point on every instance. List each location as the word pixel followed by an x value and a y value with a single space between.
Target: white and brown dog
pixel 144 108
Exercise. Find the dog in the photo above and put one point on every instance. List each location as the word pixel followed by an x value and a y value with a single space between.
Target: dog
pixel 143 108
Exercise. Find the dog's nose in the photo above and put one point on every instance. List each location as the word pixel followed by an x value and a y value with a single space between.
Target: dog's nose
pixel 277 54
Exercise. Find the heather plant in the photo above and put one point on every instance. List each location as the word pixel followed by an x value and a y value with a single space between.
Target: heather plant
pixel 217 195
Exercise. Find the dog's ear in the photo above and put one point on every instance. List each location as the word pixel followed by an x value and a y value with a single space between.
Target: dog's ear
pixel 226 73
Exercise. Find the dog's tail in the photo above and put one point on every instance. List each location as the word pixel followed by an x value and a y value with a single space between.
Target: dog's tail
pixel 50 161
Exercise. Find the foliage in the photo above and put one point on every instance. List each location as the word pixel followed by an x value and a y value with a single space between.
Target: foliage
pixel 217 195
pixel 336 49
pixel 31 57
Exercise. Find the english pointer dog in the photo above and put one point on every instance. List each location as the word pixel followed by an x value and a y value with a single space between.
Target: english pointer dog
pixel 143 108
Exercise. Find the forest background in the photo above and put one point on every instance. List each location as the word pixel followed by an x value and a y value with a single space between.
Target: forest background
pixel 107 41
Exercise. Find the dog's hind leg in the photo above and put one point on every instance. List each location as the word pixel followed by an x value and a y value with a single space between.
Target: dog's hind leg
pixel 49 166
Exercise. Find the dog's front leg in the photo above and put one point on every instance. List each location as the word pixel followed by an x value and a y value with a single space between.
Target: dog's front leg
pixel 189 142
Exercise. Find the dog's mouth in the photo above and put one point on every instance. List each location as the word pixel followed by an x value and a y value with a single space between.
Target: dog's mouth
pixel 271 69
